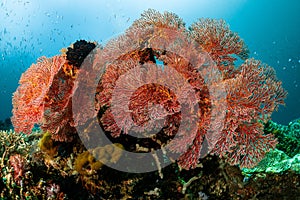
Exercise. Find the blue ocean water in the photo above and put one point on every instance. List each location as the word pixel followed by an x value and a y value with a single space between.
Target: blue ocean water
pixel 32 28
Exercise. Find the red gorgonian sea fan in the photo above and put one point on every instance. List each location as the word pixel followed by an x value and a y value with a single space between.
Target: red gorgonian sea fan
pixel 252 95
pixel 159 75
pixel 252 90
pixel 218 40
pixel 29 99
pixel 44 96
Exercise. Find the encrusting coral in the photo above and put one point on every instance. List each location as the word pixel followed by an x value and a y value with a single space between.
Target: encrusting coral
pixel 88 162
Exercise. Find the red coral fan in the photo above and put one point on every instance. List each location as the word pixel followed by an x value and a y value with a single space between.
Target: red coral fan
pixel 44 96
pixel 219 41
pixel 153 18
pixel 253 92
pixel 163 36
pixel 133 97
pixel 28 100
pixel 57 118
pixel 252 96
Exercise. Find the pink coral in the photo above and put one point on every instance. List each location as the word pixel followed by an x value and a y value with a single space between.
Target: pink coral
pixel 18 163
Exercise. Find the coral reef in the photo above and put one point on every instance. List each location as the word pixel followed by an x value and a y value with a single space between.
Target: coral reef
pixel 59 179
pixel 197 63
pixel 20 174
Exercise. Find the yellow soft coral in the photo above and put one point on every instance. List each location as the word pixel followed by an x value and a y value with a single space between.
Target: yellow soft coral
pixel 87 164
pixel 47 145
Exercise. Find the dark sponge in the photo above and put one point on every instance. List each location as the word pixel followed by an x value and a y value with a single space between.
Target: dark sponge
pixel 77 53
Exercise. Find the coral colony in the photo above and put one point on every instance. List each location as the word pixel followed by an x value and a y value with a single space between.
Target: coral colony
pixel 251 92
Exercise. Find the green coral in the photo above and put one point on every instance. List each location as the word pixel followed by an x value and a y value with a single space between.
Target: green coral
pixel 276 161
pixel 294 127
pixel 286 156
pixel 288 136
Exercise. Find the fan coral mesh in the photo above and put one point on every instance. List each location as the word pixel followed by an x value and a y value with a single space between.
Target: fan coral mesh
pixel 28 100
